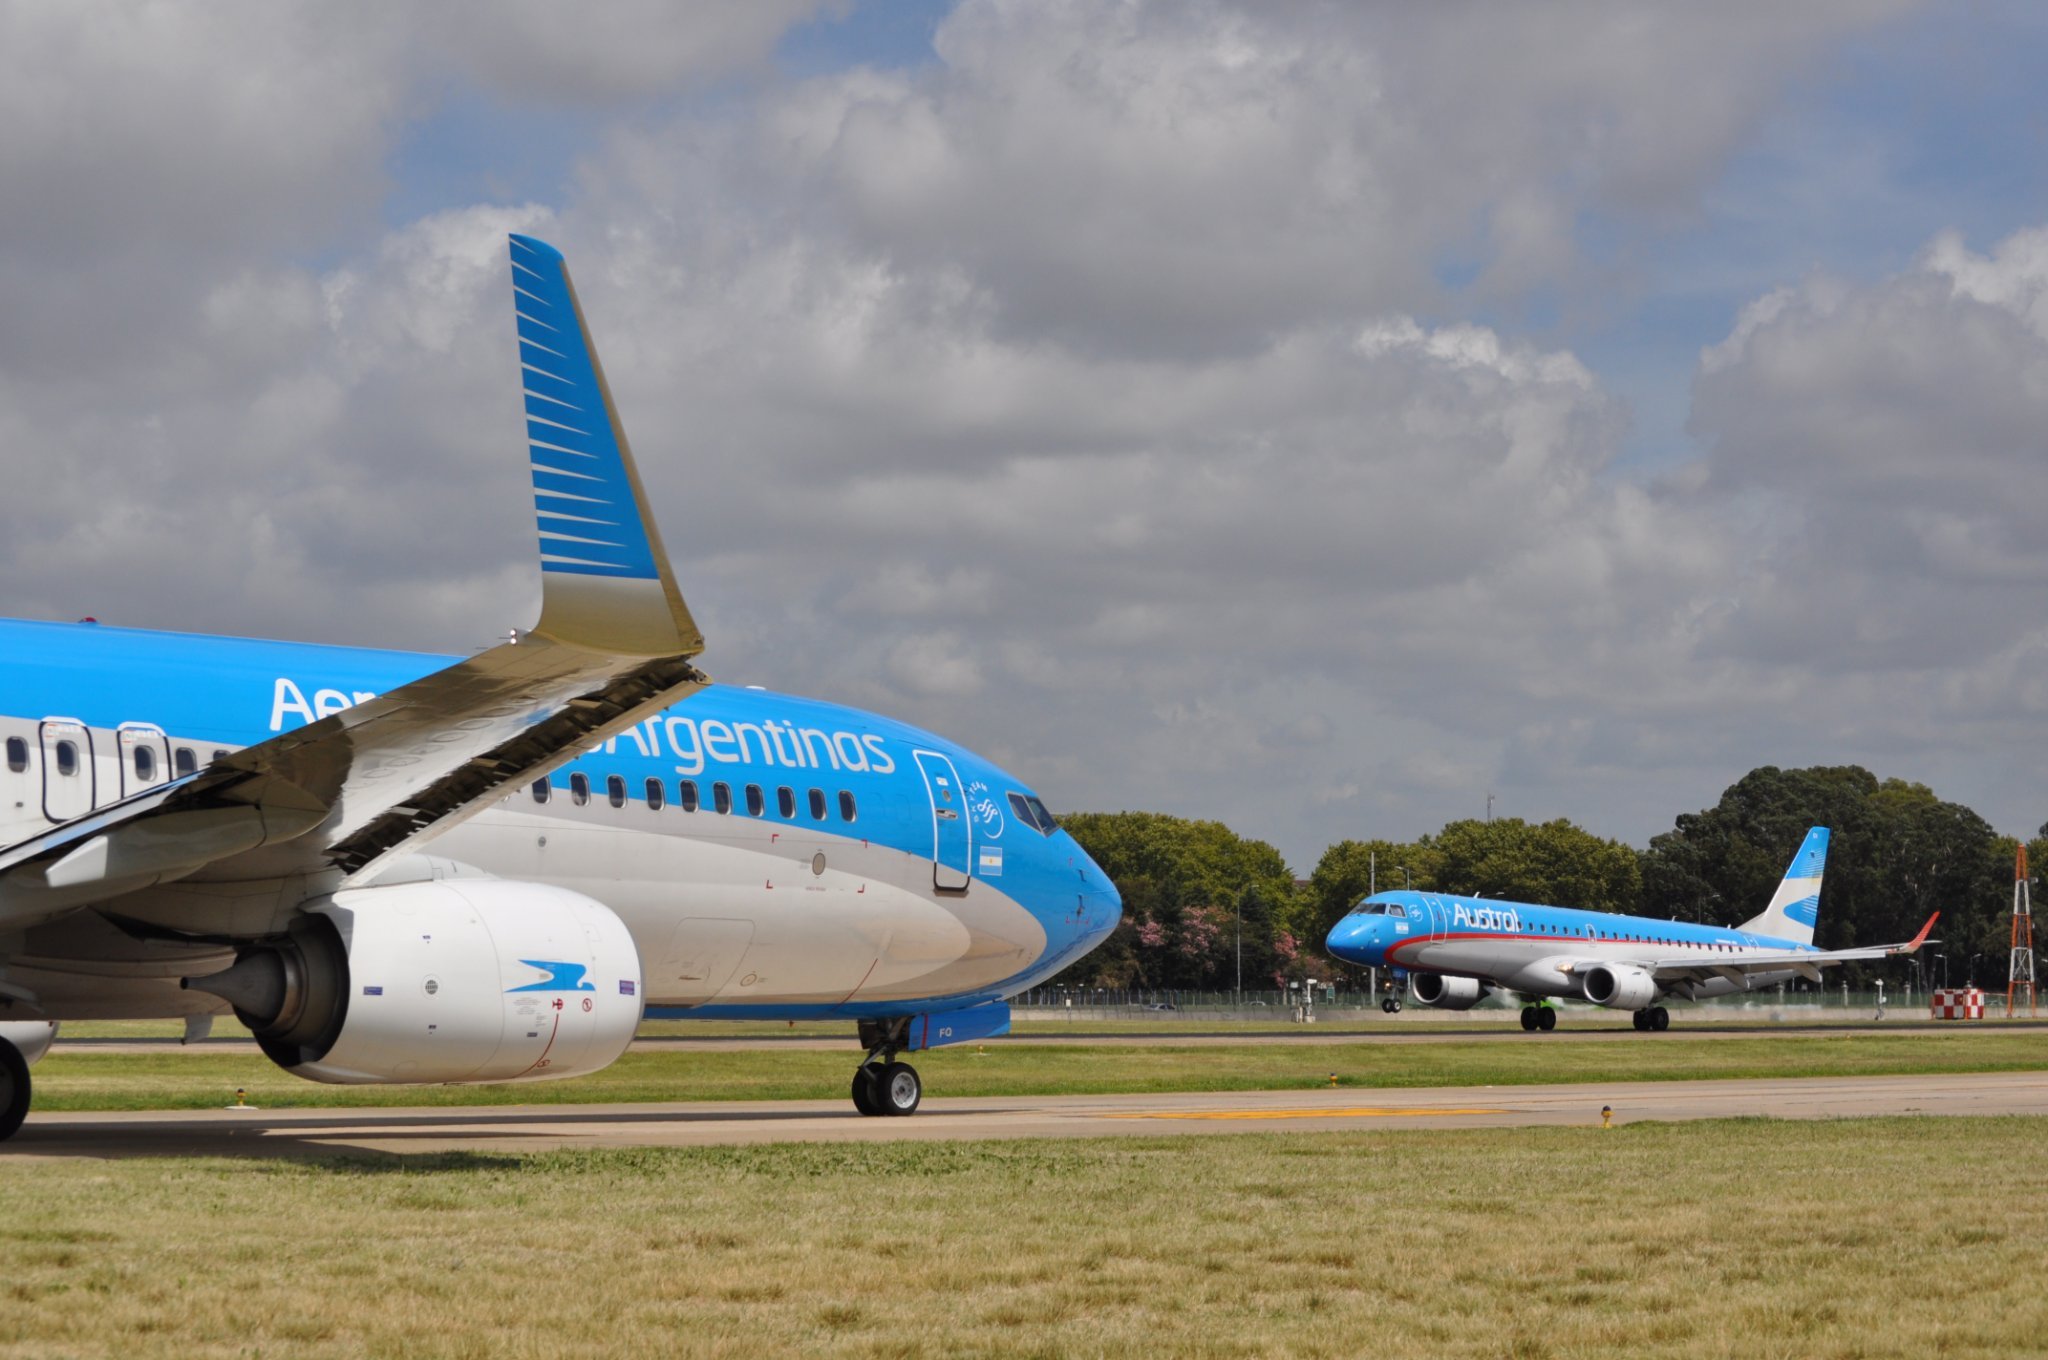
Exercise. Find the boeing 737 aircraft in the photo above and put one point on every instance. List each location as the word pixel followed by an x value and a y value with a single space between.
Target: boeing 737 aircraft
pixel 194 824
pixel 1457 950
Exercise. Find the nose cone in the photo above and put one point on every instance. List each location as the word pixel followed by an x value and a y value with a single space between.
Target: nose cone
pixel 1353 939
pixel 1101 906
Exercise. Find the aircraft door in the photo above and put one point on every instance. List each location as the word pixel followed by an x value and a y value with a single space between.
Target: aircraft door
pixel 950 833
pixel 68 774
pixel 144 755
pixel 1432 924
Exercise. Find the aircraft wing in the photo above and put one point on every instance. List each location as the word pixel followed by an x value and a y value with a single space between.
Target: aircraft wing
pixel 1806 962
pixel 613 645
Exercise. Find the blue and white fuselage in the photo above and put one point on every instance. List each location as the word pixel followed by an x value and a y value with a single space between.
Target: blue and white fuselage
pixel 404 868
pixel 772 856
pixel 1458 949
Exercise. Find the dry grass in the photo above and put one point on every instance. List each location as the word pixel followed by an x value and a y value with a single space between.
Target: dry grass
pixel 1740 1238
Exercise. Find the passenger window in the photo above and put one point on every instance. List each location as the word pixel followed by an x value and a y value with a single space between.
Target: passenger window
pixel 541 790
pixel 757 802
pixel 17 754
pixel 579 789
pixel 186 761
pixel 817 805
pixel 67 758
pixel 615 790
pixel 721 797
pixel 145 764
pixel 785 801
pixel 686 794
pixel 657 793
pixel 846 808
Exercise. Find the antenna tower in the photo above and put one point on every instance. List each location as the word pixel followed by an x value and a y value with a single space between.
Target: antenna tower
pixel 2021 975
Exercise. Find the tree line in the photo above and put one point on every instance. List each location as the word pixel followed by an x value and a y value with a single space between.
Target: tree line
pixel 1204 906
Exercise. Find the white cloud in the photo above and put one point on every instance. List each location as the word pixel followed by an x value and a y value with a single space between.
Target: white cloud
pixel 1093 395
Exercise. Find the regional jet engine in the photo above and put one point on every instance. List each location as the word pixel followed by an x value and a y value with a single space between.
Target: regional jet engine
pixel 1620 986
pixel 1447 993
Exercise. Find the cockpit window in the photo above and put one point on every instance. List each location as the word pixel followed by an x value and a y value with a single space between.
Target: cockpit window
pixel 1032 813
pixel 1394 909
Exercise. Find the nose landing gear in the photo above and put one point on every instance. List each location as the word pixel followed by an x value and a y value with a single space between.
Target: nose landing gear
pixel 882 1085
pixel 887 1088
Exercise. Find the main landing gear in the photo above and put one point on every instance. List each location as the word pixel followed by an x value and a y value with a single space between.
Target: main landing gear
pixel 1653 1018
pixel 14 1089
pixel 881 1085
pixel 1391 1005
pixel 1539 1017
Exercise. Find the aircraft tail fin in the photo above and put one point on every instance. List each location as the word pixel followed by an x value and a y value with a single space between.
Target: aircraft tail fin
pixel 1795 906
pixel 605 578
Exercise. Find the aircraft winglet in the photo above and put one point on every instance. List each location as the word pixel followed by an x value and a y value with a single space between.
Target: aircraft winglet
pixel 605 578
pixel 1913 945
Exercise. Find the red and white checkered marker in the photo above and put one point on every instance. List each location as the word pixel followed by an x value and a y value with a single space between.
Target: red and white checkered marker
pixel 1958 1003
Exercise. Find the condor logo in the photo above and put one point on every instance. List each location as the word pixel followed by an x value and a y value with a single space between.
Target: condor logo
pixel 1485 918
pixel 561 977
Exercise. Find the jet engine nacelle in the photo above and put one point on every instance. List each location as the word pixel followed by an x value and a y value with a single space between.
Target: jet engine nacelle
pixel 455 981
pixel 1447 993
pixel 1620 986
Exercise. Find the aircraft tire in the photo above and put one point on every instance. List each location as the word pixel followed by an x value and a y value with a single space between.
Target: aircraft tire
pixel 1641 1020
pixel 1529 1021
pixel 1660 1019
pixel 14 1089
pixel 1394 1006
pixel 1546 1019
pixel 898 1091
pixel 864 1080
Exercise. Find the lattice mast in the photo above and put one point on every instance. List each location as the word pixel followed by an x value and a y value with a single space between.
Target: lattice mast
pixel 2020 978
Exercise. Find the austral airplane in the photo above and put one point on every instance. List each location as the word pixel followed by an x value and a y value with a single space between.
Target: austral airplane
pixel 1457 950
pixel 197 824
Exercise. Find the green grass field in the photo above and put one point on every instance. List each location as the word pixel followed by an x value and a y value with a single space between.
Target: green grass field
pixel 1864 1238
pixel 182 1079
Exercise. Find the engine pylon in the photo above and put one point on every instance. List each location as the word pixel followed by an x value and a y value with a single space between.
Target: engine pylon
pixel 2020 977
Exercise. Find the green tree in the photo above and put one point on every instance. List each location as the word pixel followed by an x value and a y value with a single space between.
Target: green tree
pixel 1554 862
pixel 1896 854
pixel 1184 884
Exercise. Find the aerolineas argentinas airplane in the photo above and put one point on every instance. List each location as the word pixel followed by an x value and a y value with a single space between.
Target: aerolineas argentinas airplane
pixel 192 823
pixel 1458 949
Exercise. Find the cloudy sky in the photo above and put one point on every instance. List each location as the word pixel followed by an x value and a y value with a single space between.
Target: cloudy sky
pixel 1314 416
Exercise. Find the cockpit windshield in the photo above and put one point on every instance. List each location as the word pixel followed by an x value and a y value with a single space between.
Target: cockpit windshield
pixel 1369 907
pixel 1032 813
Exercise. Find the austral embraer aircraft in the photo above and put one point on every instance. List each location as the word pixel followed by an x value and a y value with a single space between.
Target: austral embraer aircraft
pixel 192 824
pixel 1459 949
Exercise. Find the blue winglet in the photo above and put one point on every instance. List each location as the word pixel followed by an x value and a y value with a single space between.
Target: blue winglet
pixel 607 580
pixel 589 521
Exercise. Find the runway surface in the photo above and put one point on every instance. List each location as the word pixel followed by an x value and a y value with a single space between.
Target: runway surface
pixel 534 1128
